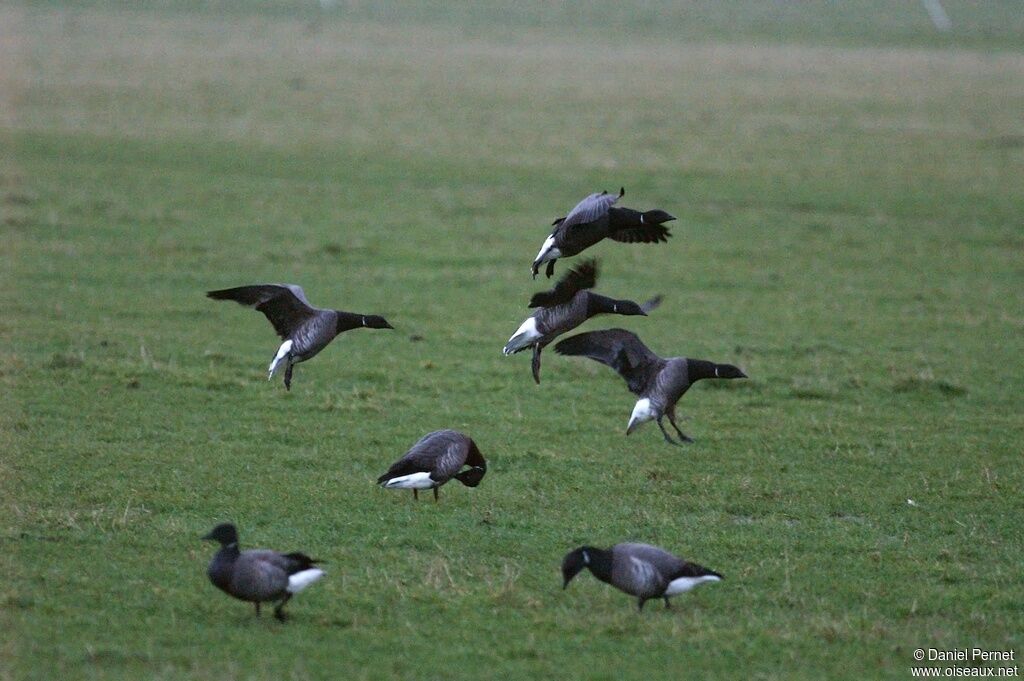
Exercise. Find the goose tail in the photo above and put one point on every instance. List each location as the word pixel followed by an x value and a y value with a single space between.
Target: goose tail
pixel 300 580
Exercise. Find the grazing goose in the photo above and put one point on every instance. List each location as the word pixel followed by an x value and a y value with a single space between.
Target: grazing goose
pixel 565 307
pixel 258 575
pixel 433 461
pixel 305 330
pixel 659 383
pixel 593 219
pixel 640 570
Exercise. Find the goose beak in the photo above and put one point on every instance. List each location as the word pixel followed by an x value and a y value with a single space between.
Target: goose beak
pixel 207 537
pixel 388 326
pixel 631 426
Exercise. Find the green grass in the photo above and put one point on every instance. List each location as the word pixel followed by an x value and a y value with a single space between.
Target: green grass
pixel 848 190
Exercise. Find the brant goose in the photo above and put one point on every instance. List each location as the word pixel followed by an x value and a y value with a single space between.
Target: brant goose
pixel 565 307
pixel 305 330
pixel 433 461
pixel 258 575
pixel 640 570
pixel 594 219
pixel 659 383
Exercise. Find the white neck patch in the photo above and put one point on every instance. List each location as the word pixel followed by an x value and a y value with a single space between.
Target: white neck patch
pixel 716 371
pixel 586 558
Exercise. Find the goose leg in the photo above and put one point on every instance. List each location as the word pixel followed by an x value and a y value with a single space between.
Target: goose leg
pixel 536 363
pixel 668 606
pixel 288 374
pixel 682 436
pixel 257 604
pixel 665 433
pixel 435 495
pixel 415 494
pixel 640 604
pixel 279 610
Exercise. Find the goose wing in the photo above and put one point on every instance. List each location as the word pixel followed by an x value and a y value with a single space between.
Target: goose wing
pixel 441 453
pixel 619 349
pixel 583 276
pixel 641 234
pixel 589 209
pixel 260 575
pixel 284 305
pixel 669 566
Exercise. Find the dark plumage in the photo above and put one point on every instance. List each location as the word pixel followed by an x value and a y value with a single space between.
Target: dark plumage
pixel 640 570
pixel 305 330
pixel 434 460
pixel 593 219
pixel 659 383
pixel 565 307
pixel 258 575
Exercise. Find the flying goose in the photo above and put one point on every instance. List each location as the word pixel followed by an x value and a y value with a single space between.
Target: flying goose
pixel 433 461
pixel 640 570
pixel 659 383
pixel 593 219
pixel 258 575
pixel 565 307
pixel 305 330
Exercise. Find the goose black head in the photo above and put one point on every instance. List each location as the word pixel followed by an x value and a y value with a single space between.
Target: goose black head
pixel 728 371
pixel 472 476
pixel 657 216
pixel 574 562
pixel 372 321
pixel 225 534
pixel 627 307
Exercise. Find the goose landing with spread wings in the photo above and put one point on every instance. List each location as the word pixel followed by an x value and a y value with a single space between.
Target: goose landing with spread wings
pixel 305 330
pixel 596 218
pixel 566 306
pixel 658 382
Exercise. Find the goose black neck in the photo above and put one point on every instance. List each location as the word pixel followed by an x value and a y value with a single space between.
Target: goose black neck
pixel 599 561
pixel 229 551
pixel 598 304
pixel 700 368
pixel 347 321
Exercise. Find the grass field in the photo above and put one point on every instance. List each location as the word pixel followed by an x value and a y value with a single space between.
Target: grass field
pixel 848 184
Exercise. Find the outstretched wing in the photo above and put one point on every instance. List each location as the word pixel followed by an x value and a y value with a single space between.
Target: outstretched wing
pixel 583 276
pixel 589 209
pixel 285 305
pixel 619 349
pixel 641 234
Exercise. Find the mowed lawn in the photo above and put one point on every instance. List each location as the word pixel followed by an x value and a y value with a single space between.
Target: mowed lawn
pixel 849 187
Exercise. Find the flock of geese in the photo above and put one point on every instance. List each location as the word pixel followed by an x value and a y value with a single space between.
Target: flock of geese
pixel 644 571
